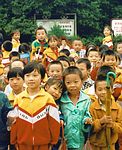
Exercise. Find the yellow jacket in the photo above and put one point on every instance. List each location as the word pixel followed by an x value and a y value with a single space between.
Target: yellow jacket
pixel 98 137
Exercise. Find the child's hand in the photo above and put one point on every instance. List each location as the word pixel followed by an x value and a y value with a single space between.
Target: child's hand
pixel 106 120
pixel 88 121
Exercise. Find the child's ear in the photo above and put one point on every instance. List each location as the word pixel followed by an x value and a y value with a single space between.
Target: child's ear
pixel 46 87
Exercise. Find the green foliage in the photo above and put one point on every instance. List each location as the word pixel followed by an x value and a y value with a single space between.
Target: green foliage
pixel 117 39
pixel 56 30
pixel 92 16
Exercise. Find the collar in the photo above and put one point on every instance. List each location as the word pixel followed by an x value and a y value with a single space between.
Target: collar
pixel 25 93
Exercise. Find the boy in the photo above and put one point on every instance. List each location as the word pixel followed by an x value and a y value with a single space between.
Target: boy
pixel 101 121
pixel 6 49
pixel 110 58
pixel 5 107
pixel 77 47
pixel 40 44
pixel 37 125
pixel 84 65
pixel 55 69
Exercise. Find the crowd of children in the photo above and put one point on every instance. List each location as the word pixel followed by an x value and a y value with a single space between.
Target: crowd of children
pixel 53 83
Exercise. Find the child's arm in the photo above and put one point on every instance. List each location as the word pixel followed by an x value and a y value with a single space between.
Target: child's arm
pixel 54 121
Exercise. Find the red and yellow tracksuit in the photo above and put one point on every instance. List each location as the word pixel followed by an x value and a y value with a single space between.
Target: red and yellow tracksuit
pixel 37 124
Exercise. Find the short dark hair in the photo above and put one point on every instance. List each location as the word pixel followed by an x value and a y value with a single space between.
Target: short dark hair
pixel 40 28
pixel 52 81
pixel 100 78
pixel 65 51
pixel 7 45
pixel 72 70
pixel 24 47
pixel 55 62
pixel 110 53
pixel 15 72
pixel 13 54
pixel 85 61
pixel 71 59
pixel 31 66
pixel 63 58
pixel 105 69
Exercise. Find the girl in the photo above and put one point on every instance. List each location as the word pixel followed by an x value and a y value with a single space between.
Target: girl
pixel 15 40
pixel 75 106
pixel 108 33
pixel 52 52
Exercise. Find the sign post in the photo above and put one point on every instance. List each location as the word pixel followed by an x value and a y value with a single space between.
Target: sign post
pixel 116 25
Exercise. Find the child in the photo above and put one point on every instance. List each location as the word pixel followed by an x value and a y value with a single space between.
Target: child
pixel 5 107
pixel 84 65
pixel 15 78
pixel 6 49
pixel 108 33
pixel 74 106
pixel 24 50
pixel 14 64
pixel 64 43
pixel 101 121
pixel 1 65
pixel 40 44
pixel 77 47
pixel 13 56
pixel 55 69
pixel 65 61
pixel 37 125
pixel 93 56
pixel 52 52
pixel 54 87
pixel 15 40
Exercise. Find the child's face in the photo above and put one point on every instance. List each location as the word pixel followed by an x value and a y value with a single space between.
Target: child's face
pixel 65 64
pixel 63 42
pixel 77 45
pixel 106 32
pixel 119 48
pixel 16 83
pixel 54 90
pixel 110 60
pixel 33 80
pixel 73 83
pixel 83 69
pixel 55 70
pixel 16 36
pixel 101 91
pixel 93 57
pixel 53 43
pixel 17 63
pixel 40 35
